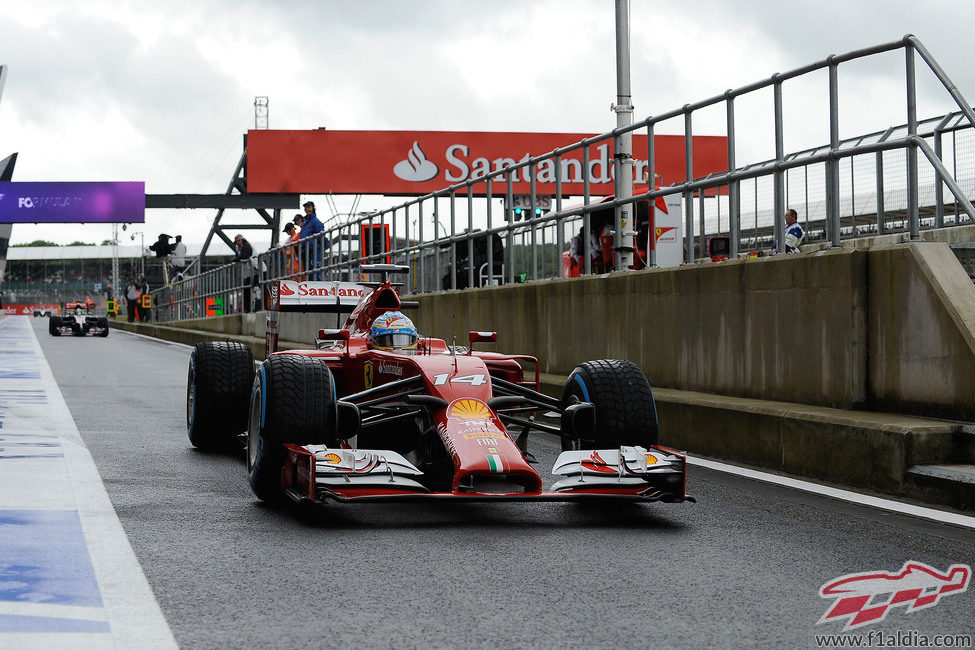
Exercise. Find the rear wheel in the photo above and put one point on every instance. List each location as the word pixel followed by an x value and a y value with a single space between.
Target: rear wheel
pixel 292 402
pixel 217 393
pixel 623 401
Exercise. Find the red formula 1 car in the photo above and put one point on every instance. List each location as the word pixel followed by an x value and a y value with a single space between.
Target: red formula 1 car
pixel 377 413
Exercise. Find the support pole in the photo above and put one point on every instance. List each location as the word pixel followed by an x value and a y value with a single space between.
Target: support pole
pixel 623 143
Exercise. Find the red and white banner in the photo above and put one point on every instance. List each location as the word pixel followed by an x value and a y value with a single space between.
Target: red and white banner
pixel 292 293
pixel 28 310
pixel 420 162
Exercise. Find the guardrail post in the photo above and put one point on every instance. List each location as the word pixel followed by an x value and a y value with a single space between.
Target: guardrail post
pixel 559 223
pixel 470 234
pixel 490 236
pixel 939 194
pixel 688 195
pixel 701 243
pixel 881 216
pixel 779 175
pixel 531 216
pixel 833 164
pixel 734 208
pixel 651 208
pixel 913 211
pixel 586 225
pixel 509 252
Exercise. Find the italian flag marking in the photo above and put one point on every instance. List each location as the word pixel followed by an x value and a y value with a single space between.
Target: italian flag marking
pixel 494 460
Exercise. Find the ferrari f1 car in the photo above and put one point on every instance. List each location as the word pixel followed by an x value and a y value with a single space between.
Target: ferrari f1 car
pixel 78 320
pixel 377 413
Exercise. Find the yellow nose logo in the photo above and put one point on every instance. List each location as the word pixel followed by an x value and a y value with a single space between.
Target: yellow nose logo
pixel 469 409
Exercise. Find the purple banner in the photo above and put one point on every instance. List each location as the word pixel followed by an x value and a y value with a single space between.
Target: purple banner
pixel 72 202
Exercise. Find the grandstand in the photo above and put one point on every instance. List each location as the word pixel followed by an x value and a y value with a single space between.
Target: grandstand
pixel 53 274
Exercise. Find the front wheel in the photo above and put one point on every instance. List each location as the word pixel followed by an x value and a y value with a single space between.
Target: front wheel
pixel 103 323
pixel 53 324
pixel 292 402
pixel 217 393
pixel 625 411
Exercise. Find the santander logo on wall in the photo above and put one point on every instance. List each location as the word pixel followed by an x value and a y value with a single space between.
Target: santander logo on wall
pixel 420 162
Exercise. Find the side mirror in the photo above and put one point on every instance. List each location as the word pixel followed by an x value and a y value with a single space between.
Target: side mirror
pixel 333 335
pixel 480 337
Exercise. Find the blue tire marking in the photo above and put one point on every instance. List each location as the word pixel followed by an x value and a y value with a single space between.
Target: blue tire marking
pixel 582 385
pixel 263 397
pixel 653 401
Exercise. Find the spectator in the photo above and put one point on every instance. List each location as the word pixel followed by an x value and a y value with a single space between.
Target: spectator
pixel 292 263
pixel 793 232
pixel 144 313
pixel 131 299
pixel 243 249
pixel 179 256
pixel 577 250
pixel 316 247
pixel 245 253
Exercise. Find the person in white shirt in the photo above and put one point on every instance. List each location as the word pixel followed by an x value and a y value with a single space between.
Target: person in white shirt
pixel 179 255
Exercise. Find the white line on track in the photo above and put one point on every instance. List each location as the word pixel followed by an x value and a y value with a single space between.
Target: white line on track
pixel 890 505
pixel 132 610
pixel 155 339
pixel 48 610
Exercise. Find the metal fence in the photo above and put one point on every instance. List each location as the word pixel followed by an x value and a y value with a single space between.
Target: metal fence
pixel 845 188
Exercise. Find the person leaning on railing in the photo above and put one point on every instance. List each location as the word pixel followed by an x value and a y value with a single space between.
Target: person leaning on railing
pixel 292 263
pixel 315 247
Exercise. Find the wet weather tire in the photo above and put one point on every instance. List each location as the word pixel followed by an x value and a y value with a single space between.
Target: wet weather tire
pixel 218 387
pixel 620 393
pixel 103 322
pixel 292 402
pixel 53 324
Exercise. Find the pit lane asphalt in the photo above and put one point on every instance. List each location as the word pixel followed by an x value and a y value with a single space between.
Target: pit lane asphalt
pixel 743 566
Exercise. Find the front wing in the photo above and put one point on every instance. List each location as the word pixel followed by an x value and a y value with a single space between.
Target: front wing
pixel 318 473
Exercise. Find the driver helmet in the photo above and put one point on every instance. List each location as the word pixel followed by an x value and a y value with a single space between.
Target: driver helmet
pixel 393 331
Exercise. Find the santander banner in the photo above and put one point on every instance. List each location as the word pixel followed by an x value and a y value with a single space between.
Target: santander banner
pixel 420 162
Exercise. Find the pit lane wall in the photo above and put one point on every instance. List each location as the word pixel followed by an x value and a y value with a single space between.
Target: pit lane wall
pixel 890 328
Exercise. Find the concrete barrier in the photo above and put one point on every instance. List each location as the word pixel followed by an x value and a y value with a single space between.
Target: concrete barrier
pixel 889 328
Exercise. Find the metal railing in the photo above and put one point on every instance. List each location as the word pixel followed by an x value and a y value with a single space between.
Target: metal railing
pixel 468 216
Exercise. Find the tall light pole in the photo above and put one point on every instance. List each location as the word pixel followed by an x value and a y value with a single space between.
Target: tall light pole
pixel 623 143
pixel 142 251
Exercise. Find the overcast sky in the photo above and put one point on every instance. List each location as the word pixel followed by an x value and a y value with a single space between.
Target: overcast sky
pixel 162 92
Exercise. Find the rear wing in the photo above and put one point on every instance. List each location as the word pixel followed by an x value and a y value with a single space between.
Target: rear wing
pixel 309 297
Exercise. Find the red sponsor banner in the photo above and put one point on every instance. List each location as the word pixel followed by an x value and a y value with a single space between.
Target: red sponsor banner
pixel 420 162
pixel 28 310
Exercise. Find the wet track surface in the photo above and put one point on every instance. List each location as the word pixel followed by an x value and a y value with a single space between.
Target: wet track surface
pixel 743 566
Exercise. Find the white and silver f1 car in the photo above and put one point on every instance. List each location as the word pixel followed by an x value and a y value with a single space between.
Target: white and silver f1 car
pixel 78 320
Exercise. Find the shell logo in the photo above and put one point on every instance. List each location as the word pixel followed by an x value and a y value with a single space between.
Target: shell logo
pixel 332 458
pixel 469 409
